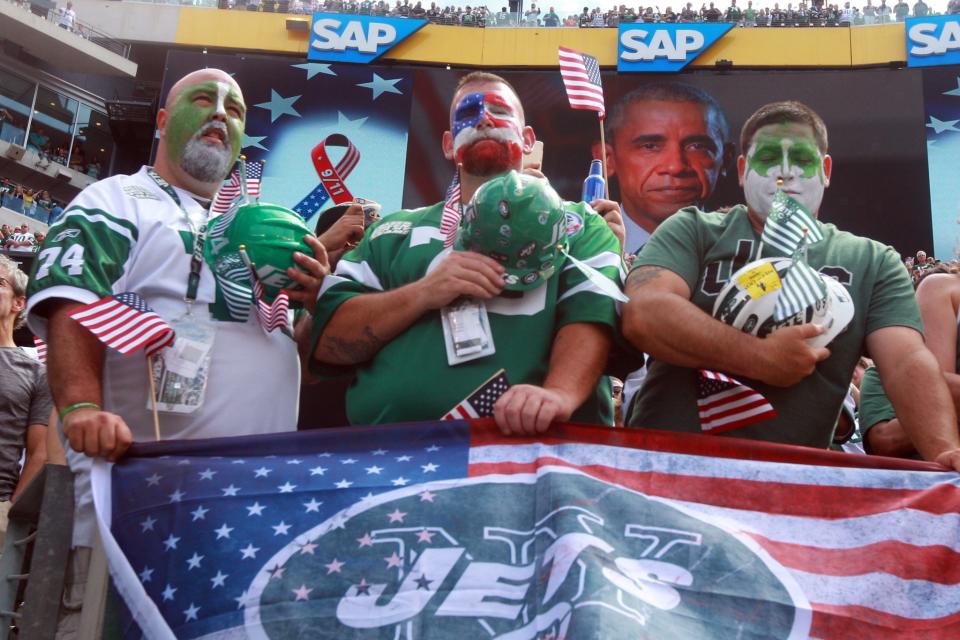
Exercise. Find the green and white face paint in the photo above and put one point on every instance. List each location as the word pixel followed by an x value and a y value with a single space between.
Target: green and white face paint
pixel 784 157
pixel 199 142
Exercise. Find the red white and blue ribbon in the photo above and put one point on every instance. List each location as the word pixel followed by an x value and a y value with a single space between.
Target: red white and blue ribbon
pixel 332 177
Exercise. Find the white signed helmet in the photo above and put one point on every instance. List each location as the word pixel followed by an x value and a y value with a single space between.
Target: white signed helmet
pixel 748 300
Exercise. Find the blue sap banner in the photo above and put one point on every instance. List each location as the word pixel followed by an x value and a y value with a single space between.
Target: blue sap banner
pixel 335 37
pixel 933 41
pixel 664 48
pixel 941 96
pixel 360 112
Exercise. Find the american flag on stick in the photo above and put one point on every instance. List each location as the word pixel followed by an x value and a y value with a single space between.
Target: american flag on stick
pixel 231 190
pixel 725 403
pixel 479 404
pixel 126 323
pixel 581 77
pixel 450 220
pixel 41 347
pixel 270 316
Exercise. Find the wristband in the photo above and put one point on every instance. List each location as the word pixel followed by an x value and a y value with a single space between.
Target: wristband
pixel 79 405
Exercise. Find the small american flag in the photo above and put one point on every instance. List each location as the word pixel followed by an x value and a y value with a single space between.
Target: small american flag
pixel 271 316
pixel 581 77
pixel 725 403
pixel 41 349
pixel 231 190
pixel 450 220
pixel 126 323
pixel 802 287
pixel 254 175
pixel 789 225
pixel 479 404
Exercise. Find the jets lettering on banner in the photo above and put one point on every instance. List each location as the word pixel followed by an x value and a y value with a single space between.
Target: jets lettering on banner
pixel 933 41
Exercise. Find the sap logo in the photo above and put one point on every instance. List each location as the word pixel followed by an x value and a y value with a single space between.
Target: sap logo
pixel 668 48
pixel 933 41
pixel 358 39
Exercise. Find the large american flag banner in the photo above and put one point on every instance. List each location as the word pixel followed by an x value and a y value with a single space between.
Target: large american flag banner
pixel 126 323
pixel 450 530
pixel 581 78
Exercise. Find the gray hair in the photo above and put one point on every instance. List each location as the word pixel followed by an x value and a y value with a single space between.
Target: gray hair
pixel 666 92
pixel 18 281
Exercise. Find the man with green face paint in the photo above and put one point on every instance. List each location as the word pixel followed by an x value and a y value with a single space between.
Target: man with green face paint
pixel 691 256
pixel 138 233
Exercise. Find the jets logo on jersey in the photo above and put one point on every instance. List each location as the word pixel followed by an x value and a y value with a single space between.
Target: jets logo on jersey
pixel 66 234
pixel 400 227
pixel 140 193
pixel 466 559
pixel 574 223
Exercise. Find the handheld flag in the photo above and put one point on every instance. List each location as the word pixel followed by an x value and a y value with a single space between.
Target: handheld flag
pixel 270 316
pixel 41 349
pixel 479 404
pixel 126 323
pixel 802 287
pixel 788 224
pixel 581 78
pixel 725 403
pixel 232 189
pixel 450 220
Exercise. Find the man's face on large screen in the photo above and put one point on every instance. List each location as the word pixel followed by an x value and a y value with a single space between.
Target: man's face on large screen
pixel 666 156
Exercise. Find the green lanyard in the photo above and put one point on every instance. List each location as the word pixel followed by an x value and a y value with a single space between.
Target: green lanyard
pixel 199 238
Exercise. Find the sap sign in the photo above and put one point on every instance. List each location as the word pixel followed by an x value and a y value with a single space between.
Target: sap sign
pixel 335 37
pixel 665 48
pixel 933 41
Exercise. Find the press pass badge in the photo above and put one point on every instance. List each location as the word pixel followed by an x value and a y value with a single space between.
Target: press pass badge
pixel 180 371
pixel 466 331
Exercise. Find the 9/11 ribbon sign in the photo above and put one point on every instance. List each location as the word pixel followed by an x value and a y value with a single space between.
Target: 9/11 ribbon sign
pixel 332 177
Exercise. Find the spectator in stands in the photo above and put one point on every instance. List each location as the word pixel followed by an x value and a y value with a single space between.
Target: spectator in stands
pixel 20 240
pixel 869 13
pixel 532 16
pixel 846 16
pixel 551 19
pixel 953 7
pixel 920 9
pixel 672 292
pixel 78 158
pixel 368 317
pixel 55 212
pixel 585 18
pixel 39 142
pixel 5 233
pixel 750 15
pixel 883 12
pixel 25 403
pixel 570 21
pixel 901 10
pixel 94 168
pixel 733 13
pixel 67 17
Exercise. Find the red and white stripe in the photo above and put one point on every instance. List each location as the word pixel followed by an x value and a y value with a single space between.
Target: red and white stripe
pixel 226 195
pixel 41 349
pixel 123 328
pixel 349 161
pixel 736 407
pixel 583 91
pixel 875 551
pixel 462 411
pixel 272 316
pixel 450 218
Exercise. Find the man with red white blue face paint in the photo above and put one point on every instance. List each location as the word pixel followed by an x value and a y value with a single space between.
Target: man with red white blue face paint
pixel 681 273
pixel 380 312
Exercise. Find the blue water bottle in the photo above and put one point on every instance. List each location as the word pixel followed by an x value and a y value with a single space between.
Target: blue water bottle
pixel 594 187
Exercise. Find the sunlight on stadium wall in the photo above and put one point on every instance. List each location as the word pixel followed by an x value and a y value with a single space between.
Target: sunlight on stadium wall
pixel 773 47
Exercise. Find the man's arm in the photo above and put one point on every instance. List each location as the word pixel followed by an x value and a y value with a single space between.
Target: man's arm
pixel 35 458
pixel 364 323
pixel 576 361
pixel 661 320
pixel 75 370
pixel 913 381
pixel 888 438
pixel 935 297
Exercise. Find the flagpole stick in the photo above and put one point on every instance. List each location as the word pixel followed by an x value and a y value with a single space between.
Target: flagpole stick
pixel 153 398
pixel 460 180
pixel 263 164
pixel 243 178
pixel 603 157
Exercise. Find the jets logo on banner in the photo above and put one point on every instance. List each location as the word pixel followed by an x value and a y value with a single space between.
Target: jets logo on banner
pixel 933 41
pixel 335 37
pixel 664 48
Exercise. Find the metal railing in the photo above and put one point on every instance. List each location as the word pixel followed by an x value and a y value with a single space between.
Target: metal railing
pixel 80 28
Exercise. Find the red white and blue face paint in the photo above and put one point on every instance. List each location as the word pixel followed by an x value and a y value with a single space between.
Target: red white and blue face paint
pixel 504 129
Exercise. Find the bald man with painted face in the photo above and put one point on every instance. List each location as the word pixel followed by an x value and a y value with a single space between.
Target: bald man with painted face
pixel 137 233
pixel 691 256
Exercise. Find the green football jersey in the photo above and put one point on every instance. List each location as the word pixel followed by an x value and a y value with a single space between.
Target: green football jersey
pixel 705 248
pixel 409 378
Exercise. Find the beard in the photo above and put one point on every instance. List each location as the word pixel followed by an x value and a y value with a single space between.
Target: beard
pixel 205 161
pixel 487 154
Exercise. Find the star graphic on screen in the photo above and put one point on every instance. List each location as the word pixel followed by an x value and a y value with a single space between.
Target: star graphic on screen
pixel 346 125
pixel 191 613
pixel 253 141
pixel 379 86
pixel 280 106
pixel 939 126
pixel 423 583
pixel 953 92
pixel 314 68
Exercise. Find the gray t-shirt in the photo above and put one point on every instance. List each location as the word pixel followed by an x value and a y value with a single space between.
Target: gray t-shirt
pixel 24 400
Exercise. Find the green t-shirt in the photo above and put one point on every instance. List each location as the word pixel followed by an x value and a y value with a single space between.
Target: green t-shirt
pixel 874 405
pixel 409 378
pixel 705 249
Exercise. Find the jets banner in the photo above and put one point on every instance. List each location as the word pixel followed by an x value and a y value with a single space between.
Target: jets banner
pixel 449 530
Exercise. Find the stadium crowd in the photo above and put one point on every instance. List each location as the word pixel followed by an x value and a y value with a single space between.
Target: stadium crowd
pixel 814 14
pixel 33 203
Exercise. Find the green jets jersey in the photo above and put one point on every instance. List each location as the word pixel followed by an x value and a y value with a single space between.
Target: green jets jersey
pixel 705 249
pixel 409 378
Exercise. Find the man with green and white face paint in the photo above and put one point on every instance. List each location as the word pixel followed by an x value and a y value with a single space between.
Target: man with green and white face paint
pixel 693 254
pixel 144 233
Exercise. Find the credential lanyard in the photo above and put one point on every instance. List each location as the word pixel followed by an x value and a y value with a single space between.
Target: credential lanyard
pixel 199 238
